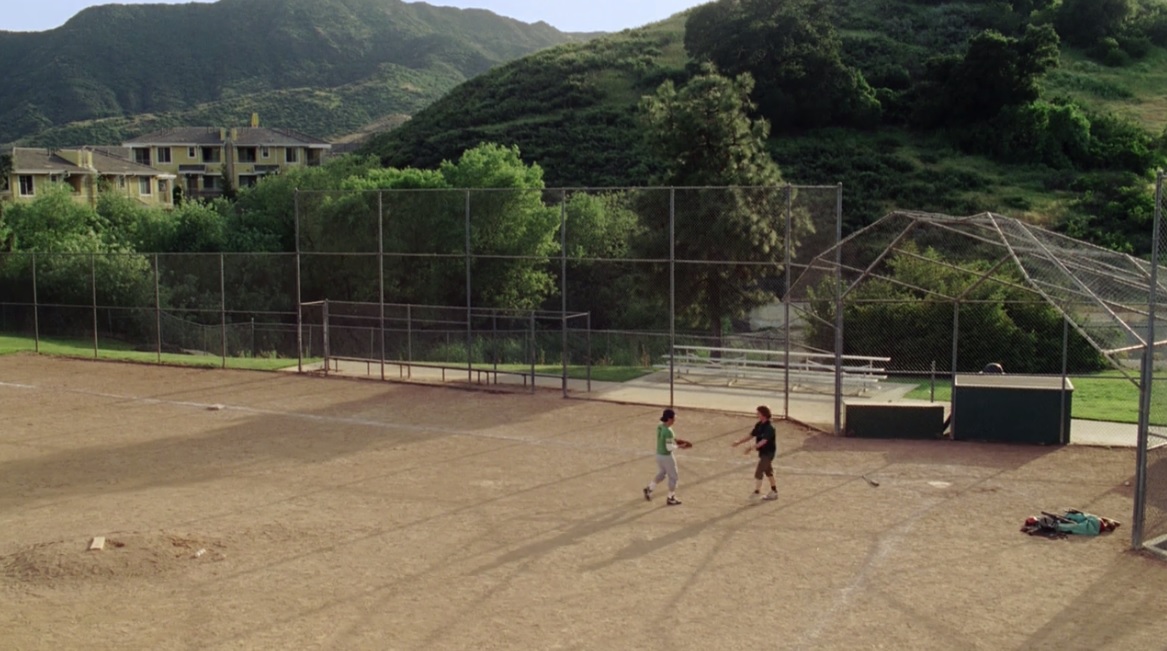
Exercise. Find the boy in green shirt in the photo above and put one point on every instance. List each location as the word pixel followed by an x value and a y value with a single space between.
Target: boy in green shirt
pixel 666 443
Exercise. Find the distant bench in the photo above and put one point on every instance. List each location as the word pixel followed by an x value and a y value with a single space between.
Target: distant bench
pixel 860 373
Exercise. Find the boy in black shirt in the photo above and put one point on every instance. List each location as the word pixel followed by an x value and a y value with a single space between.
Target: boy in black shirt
pixel 765 442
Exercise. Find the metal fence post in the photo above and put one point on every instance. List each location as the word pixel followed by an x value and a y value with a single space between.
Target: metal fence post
pixel 36 318
pixel 299 303
pixel 1065 370
pixel 324 331
pixel 589 352
pixel 381 271
pixel 786 258
pixel 563 281
pixel 672 294
pixel 409 340
pixel 839 311
pixel 1146 379
pixel 93 287
pixel 955 361
pixel 157 309
pixel 223 309
pixel 469 301
pixel 533 351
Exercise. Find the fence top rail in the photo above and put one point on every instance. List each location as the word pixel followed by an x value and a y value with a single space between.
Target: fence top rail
pixel 781 353
pixel 614 188
pixel 737 362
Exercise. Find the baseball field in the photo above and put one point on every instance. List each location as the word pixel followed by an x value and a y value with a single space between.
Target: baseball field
pixel 260 510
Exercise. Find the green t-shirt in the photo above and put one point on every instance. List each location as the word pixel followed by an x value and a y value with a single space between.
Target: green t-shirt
pixel 664 433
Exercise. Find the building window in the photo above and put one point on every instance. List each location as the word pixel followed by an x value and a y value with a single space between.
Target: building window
pixel 246 154
pixel 212 182
pixel 291 155
pixel 210 154
pixel 191 153
pixel 264 152
pixel 163 189
pixel 248 180
pixel 26 185
pixel 144 185
pixel 142 155
pixel 164 154
pixel 121 181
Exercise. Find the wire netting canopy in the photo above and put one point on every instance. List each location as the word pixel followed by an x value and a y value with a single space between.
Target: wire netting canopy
pixel 1104 294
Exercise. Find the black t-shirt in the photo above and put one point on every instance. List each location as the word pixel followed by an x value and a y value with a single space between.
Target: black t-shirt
pixel 764 431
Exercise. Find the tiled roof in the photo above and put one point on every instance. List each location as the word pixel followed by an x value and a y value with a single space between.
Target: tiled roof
pixel 114 160
pixel 247 136
pixel 180 136
pixel 27 160
pixel 106 160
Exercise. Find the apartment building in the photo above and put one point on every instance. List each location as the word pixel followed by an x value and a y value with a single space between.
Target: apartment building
pixel 86 170
pixel 206 160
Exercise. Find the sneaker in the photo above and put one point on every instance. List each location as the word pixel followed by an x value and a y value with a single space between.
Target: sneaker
pixel 771 496
pixel 755 495
pixel 648 493
pixel 672 501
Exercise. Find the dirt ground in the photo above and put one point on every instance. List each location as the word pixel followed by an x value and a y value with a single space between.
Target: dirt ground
pixel 309 513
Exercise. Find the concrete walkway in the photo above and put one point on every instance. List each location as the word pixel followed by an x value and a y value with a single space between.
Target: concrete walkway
pixel 814 406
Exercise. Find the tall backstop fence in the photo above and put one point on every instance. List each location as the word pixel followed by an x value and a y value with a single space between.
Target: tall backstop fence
pixel 573 285
pixel 1150 512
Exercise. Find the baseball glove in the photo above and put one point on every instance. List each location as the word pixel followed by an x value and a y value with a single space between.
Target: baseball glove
pixel 683 444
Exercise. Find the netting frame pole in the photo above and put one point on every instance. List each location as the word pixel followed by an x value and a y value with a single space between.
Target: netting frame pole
pixel 381 272
pixel 786 257
pixel 533 351
pixel 299 297
pixel 1147 377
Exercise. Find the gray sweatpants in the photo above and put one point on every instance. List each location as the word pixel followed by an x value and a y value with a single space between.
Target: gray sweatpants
pixel 668 468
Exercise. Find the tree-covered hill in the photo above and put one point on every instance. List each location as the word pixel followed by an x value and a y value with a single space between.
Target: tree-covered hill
pixel 1052 110
pixel 325 67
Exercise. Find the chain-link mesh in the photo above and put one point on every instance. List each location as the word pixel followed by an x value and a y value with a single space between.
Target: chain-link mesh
pixel 673 288
pixel 1150 527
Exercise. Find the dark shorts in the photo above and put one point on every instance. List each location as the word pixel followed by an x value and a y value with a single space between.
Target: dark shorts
pixel 765 467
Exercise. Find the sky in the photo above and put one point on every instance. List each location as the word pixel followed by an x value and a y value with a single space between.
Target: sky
pixel 565 15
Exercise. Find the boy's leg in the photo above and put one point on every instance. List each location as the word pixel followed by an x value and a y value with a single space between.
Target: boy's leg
pixel 671 470
pixel 766 464
pixel 662 472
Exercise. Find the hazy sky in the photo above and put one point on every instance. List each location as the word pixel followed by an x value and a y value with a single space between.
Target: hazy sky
pixel 566 15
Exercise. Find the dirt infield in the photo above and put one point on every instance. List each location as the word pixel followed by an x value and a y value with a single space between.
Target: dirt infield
pixel 329 514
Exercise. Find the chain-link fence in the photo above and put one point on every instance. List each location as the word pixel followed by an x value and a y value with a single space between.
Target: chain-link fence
pixel 201 309
pixel 580 286
pixel 1150 512
pixel 672 296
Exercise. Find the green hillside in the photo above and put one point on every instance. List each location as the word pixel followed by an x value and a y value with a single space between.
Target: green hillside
pixel 573 108
pixel 326 67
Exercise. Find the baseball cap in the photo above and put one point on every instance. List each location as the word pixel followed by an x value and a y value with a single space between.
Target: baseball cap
pixel 669 414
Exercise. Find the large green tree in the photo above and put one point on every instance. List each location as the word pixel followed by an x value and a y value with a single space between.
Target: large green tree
pixel 729 209
pixel 996 72
pixel 793 52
